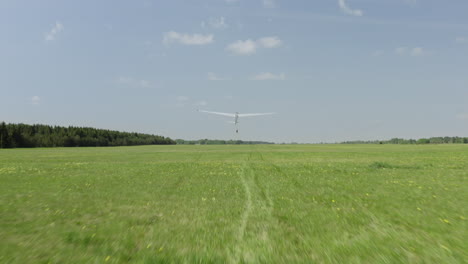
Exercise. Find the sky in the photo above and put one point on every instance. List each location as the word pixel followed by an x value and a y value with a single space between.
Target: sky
pixel 331 70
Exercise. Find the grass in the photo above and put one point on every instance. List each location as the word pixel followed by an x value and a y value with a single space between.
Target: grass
pixel 235 204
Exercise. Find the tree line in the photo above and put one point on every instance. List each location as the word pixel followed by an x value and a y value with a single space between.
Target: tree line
pixel 432 140
pixel 219 142
pixel 32 136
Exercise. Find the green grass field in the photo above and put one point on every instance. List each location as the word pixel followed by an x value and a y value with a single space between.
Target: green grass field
pixel 235 204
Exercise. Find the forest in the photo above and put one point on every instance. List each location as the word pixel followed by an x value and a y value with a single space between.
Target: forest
pixel 432 140
pixel 31 136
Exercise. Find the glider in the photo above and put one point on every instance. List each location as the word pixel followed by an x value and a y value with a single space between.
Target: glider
pixel 235 115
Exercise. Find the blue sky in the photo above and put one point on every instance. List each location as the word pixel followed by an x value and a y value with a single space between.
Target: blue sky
pixel 332 70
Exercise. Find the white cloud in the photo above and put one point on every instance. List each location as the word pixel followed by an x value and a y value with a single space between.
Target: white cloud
pixel 269 76
pixel 128 81
pixel 461 39
pixel 186 39
pixel 58 27
pixel 216 23
pixel 182 98
pixel 124 80
pixel 463 116
pixel 181 101
pixel 213 77
pixel 269 42
pixel 144 83
pixel 269 3
pixel 411 2
pixel 248 47
pixel 378 53
pixel 401 50
pixel 418 51
pixel 415 52
pixel 344 7
pixel 35 100
pixel 240 47
pixel 201 103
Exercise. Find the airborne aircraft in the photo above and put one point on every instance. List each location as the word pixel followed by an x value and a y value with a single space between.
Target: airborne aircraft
pixel 235 115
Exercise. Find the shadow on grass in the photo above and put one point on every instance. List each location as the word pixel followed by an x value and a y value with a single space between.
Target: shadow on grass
pixel 384 165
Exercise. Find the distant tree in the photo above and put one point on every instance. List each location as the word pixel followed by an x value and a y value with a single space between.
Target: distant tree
pixel 433 140
pixel 423 141
pixel 4 139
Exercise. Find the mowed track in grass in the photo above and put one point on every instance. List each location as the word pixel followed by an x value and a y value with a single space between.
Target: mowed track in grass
pixel 235 204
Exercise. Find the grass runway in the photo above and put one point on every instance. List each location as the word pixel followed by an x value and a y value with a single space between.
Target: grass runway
pixel 235 204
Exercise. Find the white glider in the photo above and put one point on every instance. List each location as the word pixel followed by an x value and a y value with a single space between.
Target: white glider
pixel 235 115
